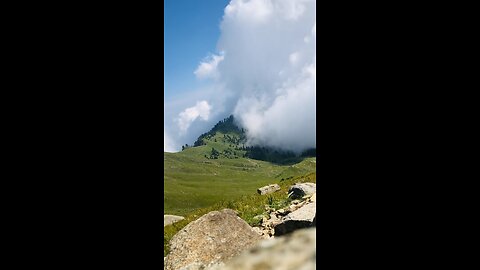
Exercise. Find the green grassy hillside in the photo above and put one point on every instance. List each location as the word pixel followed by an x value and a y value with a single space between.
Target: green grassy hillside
pixel 218 169
pixel 248 206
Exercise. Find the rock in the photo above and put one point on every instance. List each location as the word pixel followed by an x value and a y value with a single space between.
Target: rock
pixel 298 219
pixel 258 230
pixel 199 266
pixel 268 189
pixel 170 219
pixel 273 218
pixel 299 190
pixel 294 207
pixel 214 237
pixel 293 251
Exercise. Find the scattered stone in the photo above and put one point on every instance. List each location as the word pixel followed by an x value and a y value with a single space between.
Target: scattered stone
pixel 213 238
pixel 293 251
pixel 264 219
pixel 292 208
pixel 268 189
pixel 295 201
pixel 170 219
pixel 298 219
pixel 274 218
pixel 301 189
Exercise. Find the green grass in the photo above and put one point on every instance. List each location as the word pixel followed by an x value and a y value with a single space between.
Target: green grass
pixel 195 185
pixel 248 206
pixel 189 185
pixel 192 181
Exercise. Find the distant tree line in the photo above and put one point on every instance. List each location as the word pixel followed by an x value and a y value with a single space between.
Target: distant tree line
pixel 227 153
pixel 185 146
pixel 276 155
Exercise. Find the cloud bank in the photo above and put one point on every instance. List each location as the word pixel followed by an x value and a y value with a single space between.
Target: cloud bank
pixel 208 68
pixel 185 119
pixel 264 73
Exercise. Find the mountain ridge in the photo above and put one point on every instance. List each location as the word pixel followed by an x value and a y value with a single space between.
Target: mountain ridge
pixel 236 139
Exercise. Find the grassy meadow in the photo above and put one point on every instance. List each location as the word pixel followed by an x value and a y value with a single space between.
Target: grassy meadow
pixel 248 206
pixel 218 174
pixel 192 181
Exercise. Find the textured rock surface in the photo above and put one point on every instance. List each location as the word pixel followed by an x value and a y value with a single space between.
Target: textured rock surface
pixel 213 238
pixel 268 189
pixel 287 219
pixel 298 219
pixel 302 189
pixel 170 219
pixel 293 251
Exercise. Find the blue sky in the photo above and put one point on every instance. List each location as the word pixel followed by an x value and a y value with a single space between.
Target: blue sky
pixel 191 33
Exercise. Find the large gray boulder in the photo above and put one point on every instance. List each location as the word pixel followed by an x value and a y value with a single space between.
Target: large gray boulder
pixel 213 238
pixel 293 251
pixel 268 189
pixel 301 189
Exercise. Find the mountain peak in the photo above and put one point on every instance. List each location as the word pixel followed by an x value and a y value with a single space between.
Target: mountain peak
pixel 227 140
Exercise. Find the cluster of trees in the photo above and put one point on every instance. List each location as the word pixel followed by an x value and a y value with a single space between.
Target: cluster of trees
pixel 261 153
pixel 268 154
pixel 225 126
pixel 231 139
pixel 200 141
pixel 227 153
pixel 309 153
pixel 214 154
pixel 185 146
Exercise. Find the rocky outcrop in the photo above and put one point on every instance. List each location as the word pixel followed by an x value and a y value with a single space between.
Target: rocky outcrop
pixel 294 251
pixel 301 218
pixel 213 238
pixel 268 189
pixel 299 214
pixel 170 219
pixel 299 190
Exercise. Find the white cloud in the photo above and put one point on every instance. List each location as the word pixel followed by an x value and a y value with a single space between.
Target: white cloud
pixel 271 66
pixel 208 68
pixel 254 10
pixel 200 110
pixel 265 74
pixel 294 57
